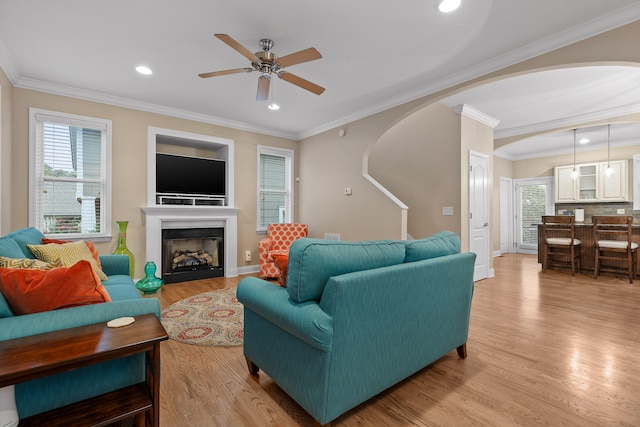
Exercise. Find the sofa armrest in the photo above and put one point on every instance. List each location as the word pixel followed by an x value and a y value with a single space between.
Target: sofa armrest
pixel 115 264
pixel 306 321
pixel 49 321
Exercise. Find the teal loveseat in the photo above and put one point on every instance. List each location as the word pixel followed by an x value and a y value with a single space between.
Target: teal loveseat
pixel 37 396
pixel 357 317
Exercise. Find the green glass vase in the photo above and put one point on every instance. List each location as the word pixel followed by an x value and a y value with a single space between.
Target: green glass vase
pixel 122 248
pixel 150 284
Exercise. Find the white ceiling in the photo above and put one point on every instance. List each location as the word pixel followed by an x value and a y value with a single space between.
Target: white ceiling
pixel 376 54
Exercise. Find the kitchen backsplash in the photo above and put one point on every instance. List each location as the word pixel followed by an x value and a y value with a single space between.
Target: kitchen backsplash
pixel 591 209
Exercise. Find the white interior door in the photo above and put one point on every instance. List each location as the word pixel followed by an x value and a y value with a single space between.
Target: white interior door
pixel 534 198
pixel 479 213
pixel 506 216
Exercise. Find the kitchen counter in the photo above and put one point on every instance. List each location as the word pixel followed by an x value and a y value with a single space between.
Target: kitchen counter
pixel 584 232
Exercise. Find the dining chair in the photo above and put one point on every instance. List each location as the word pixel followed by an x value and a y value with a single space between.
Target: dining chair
pixel 560 242
pixel 612 235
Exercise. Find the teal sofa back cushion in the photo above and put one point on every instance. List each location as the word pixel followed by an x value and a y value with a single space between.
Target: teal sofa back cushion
pixel 9 248
pixel 24 237
pixel 313 261
pixel 439 244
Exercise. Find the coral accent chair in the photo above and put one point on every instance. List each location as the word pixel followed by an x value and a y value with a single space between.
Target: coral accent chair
pixel 278 240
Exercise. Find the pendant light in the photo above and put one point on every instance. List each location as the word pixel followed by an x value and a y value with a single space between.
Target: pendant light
pixel 609 170
pixel 575 174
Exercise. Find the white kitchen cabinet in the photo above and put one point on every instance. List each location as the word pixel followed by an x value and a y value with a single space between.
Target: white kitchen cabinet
pixel 592 185
pixel 566 186
pixel 614 188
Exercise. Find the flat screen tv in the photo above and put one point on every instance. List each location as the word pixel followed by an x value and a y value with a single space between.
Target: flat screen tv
pixel 190 175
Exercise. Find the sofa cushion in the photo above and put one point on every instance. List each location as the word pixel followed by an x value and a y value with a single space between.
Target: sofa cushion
pixel 439 244
pixel 28 263
pixel 122 292
pixel 32 291
pixel 313 261
pixel 69 253
pixel 9 248
pixel 24 237
pixel 89 244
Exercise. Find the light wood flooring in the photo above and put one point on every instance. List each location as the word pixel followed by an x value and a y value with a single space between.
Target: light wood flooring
pixel 544 349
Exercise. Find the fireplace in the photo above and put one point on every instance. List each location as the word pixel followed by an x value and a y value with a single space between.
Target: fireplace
pixel 192 254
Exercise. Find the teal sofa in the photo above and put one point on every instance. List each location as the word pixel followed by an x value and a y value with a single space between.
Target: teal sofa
pixel 37 396
pixel 357 317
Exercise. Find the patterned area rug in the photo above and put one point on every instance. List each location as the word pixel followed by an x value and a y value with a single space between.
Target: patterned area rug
pixel 211 318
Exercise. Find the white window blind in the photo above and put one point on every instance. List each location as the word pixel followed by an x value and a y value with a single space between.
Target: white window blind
pixel 69 186
pixel 275 170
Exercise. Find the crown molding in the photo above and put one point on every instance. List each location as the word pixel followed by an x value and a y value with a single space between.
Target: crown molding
pixel 565 122
pixel 550 153
pixel 592 28
pixel 469 111
pixel 117 101
pixel 569 36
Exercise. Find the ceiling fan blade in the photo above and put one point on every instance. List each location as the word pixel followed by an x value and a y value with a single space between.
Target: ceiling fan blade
pixel 263 88
pixel 225 72
pixel 306 55
pixel 300 82
pixel 237 46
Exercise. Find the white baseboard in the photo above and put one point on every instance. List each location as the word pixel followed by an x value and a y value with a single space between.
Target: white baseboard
pixel 497 253
pixel 248 269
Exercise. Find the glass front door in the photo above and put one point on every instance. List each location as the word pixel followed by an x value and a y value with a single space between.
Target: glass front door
pixel 534 198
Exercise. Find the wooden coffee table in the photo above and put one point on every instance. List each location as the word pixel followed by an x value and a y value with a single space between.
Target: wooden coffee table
pixel 28 358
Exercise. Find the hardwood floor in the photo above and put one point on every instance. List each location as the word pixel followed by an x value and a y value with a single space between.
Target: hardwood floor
pixel 544 349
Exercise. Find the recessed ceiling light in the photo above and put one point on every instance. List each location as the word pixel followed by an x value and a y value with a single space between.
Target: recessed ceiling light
pixel 143 69
pixel 584 141
pixel 274 106
pixel 447 6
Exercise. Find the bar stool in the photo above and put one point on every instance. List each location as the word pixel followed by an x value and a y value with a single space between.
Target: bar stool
pixel 612 235
pixel 559 240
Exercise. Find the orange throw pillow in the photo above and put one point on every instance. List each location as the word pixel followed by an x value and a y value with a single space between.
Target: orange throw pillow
pixel 282 261
pixel 89 244
pixel 32 291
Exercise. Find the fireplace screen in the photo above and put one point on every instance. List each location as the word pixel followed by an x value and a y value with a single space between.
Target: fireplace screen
pixel 191 254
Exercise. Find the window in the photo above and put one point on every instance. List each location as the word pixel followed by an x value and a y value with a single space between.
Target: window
pixel 275 186
pixel 69 174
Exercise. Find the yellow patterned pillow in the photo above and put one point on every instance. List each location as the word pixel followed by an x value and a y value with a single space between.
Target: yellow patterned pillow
pixel 68 253
pixel 28 263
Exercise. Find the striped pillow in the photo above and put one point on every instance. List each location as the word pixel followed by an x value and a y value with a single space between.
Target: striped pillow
pixel 68 253
pixel 29 263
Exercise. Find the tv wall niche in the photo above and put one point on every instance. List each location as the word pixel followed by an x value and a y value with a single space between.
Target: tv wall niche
pixel 189 169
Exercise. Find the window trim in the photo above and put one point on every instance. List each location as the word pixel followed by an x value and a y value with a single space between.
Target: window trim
pixel 289 197
pixel 36 118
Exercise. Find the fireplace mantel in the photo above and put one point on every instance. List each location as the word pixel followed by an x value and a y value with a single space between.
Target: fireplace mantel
pixel 172 217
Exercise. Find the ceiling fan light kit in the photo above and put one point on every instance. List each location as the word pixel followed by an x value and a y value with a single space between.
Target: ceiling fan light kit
pixel 267 63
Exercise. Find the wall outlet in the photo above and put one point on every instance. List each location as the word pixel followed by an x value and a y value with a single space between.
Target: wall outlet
pixel 447 210
pixel 347 191
pixel 620 211
pixel 247 256
pixel 332 236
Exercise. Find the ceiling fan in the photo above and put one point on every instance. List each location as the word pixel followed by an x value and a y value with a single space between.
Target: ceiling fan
pixel 268 63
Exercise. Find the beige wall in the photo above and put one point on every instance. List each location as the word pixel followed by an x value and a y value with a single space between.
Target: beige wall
pixel 129 153
pixel 331 163
pixel 6 102
pixel 414 161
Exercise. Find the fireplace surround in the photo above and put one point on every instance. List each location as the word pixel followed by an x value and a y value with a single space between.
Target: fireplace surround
pixel 159 218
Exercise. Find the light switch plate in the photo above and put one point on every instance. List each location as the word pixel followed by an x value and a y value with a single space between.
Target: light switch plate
pixel 447 210
pixel 620 211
